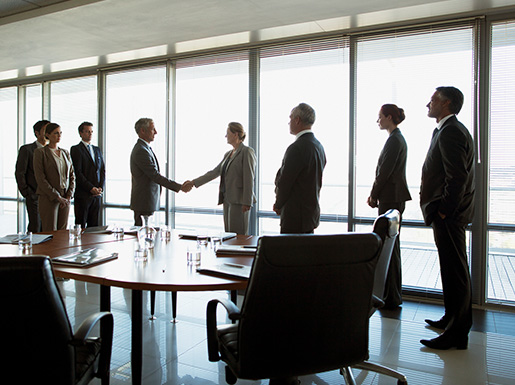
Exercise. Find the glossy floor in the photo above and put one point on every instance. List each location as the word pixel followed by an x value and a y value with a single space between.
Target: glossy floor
pixel 176 353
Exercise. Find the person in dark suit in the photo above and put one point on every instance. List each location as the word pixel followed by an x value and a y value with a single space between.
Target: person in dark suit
pixel 25 177
pixel 146 180
pixel 390 191
pixel 299 180
pixel 236 172
pixel 90 172
pixel 447 203
pixel 56 181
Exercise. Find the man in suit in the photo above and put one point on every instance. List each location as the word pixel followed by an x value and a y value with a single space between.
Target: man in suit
pixel 146 180
pixel 25 177
pixel 447 202
pixel 90 173
pixel 298 181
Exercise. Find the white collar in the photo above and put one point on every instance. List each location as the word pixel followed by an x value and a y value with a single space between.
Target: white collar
pixel 441 122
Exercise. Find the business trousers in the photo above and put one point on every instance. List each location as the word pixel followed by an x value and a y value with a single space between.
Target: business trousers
pixel 52 216
pixel 457 290
pixel 393 286
pixel 31 202
pixel 87 211
pixel 236 221
pixel 138 220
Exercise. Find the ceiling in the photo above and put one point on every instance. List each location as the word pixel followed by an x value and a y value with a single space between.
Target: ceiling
pixel 45 36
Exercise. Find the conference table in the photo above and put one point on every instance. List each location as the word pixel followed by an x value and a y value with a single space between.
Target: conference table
pixel 166 269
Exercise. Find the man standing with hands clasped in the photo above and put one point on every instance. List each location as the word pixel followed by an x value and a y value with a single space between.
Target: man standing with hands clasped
pixel 447 203
pixel 90 174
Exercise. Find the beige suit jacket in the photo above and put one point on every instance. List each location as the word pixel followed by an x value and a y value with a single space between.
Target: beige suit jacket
pixel 239 177
pixel 47 174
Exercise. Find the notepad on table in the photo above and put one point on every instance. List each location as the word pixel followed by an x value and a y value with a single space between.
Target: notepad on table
pixel 193 235
pixel 36 238
pixel 230 270
pixel 85 257
pixel 236 250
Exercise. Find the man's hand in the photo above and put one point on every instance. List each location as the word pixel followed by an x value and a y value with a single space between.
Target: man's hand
pixel 372 202
pixel 187 186
pixel 96 191
pixel 277 211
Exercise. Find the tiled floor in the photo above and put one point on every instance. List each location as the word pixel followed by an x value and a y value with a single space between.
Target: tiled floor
pixel 176 353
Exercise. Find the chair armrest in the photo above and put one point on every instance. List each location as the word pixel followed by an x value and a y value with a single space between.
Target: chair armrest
pixel 106 337
pixel 211 323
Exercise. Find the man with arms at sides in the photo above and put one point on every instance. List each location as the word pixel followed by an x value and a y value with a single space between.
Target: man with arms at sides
pixel 25 178
pixel 447 203
pixel 90 176
pixel 298 181
pixel 146 180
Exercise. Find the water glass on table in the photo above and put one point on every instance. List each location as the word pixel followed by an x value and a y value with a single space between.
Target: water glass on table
pixel 75 232
pixel 25 241
pixel 193 255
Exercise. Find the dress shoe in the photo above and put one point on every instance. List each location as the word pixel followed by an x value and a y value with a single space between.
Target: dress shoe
pixel 440 324
pixel 447 341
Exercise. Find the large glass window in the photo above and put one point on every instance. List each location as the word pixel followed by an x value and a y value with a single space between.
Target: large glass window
pixel 131 95
pixel 405 69
pixel 33 110
pixel 210 93
pixel 316 74
pixel 72 102
pixel 9 151
pixel 501 209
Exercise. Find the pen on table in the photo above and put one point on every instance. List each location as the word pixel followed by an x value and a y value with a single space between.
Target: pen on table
pixel 234 265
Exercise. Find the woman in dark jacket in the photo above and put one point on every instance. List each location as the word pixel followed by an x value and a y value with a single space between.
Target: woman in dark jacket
pixel 390 191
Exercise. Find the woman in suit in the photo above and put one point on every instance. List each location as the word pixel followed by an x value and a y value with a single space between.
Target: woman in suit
pixel 56 181
pixel 236 171
pixel 390 191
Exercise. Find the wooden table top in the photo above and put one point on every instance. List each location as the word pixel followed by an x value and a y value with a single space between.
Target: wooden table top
pixel 165 270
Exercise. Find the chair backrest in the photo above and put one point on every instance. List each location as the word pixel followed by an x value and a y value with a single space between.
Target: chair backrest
pixel 34 324
pixel 387 227
pixel 306 306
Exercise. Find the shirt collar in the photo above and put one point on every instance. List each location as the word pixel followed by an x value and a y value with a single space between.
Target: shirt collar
pixel 86 144
pixel 302 133
pixel 441 122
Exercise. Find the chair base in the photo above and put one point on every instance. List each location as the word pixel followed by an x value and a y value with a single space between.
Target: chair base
pixel 373 367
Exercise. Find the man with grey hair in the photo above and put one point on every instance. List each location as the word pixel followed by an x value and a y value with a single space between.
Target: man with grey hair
pixel 146 180
pixel 298 181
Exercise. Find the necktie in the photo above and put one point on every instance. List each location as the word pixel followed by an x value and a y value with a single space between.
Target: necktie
pixel 91 152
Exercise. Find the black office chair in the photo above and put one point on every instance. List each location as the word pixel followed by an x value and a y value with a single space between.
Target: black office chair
pixel 38 345
pixel 305 310
pixel 387 227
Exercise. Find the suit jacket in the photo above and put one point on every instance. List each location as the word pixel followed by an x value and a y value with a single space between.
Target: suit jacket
pixel 146 179
pixel 47 174
pixel 24 171
pixel 239 176
pixel 88 173
pixel 448 174
pixel 298 183
pixel 390 183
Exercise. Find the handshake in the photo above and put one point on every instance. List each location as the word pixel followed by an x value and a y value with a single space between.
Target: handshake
pixel 187 186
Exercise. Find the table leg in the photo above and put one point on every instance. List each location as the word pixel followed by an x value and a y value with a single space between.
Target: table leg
pixel 174 306
pixel 137 336
pixel 105 305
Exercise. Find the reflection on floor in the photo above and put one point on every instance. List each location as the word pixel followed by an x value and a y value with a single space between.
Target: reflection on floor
pixel 176 353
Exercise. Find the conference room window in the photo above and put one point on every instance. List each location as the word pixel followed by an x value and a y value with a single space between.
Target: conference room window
pixel 501 208
pixel 73 101
pixel 210 92
pixel 130 95
pixel 404 69
pixel 315 73
pixel 33 110
pixel 9 149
